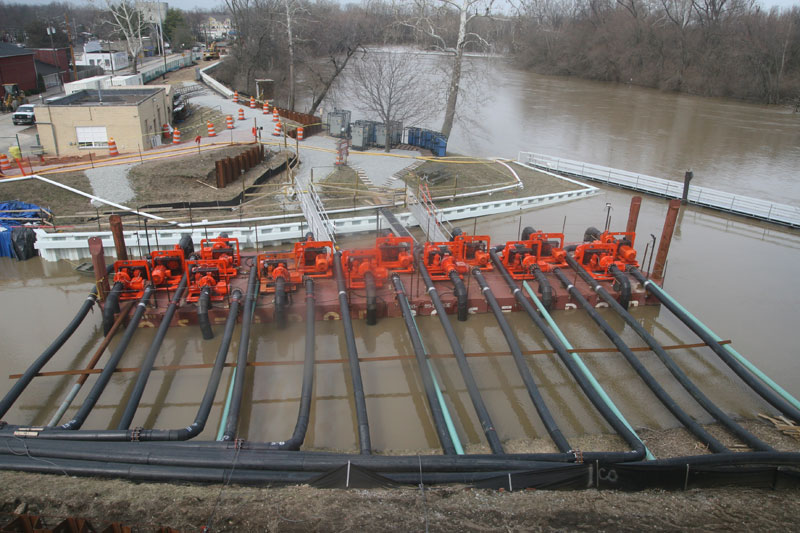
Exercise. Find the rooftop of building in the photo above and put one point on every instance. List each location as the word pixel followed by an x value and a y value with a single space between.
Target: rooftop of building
pixel 107 97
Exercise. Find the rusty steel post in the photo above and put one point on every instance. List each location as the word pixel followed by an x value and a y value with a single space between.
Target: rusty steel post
pixel 99 264
pixel 236 167
pixel 119 238
pixel 633 214
pixel 228 171
pixel 220 168
pixel 666 238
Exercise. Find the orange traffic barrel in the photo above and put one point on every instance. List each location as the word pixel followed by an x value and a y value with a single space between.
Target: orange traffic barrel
pixel 112 147
pixel 229 121
pixel 5 164
pixel 211 131
pixel 241 114
pixel 252 102
pixel 275 116
pixel 266 108
pixel 277 131
pixel 235 97
pixel 176 136
pixel 300 133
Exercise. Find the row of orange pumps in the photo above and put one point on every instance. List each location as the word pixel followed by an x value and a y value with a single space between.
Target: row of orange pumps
pixel 218 260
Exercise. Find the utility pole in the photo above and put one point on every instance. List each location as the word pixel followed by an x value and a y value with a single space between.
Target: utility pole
pixel 50 31
pixel 161 32
pixel 71 51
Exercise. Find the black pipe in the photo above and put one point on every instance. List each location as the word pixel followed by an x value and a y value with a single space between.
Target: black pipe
pixel 352 356
pixel 23 382
pixel 527 231
pixel 461 358
pixel 203 305
pixel 637 448
pixel 705 438
pixel 372 297
pixel 111 307
pixel 241 362
pixel 674 369
pixel 533 391
pixel 281 302
pixel 425 372
pixel 105 376
pixel 622 285
pixel 150 357
pixel 545 289
pixel 770 396
pixel 461 295
pixel 592 234
pixel 303 413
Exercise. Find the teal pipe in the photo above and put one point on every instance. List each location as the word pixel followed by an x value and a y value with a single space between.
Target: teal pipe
pixel 730 349
pixel 448 420
pixel 224 420
pixel 586 372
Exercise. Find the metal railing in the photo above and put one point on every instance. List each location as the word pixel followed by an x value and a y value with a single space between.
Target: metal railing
pixel 703 196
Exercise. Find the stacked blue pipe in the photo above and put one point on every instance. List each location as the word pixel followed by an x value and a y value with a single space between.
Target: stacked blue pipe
pixel 428 139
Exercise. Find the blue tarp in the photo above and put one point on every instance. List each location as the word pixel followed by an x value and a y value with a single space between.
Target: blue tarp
pixel 6 248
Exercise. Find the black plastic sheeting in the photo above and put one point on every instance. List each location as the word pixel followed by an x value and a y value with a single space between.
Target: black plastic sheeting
pixel 15 240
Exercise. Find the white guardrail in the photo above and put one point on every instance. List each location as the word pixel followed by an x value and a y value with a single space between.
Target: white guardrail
pixel 702 196
pixel 75 246
pixel 214 84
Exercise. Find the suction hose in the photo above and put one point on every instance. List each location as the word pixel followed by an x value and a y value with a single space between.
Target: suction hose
pixel 111 365
pixel 623 284
pixel 303 413
pixel 23 382
pixel 461 295
pixel 203 305
pixel 111 307
pixel 150 357
pixel 545 290
pixel 436 407
pixel 372 306
pixel 577 368
pixel 466 373
pixel 241 361
pixel 524 372
pixel 352 356
pixel 675 370
pixel 772 393
pixel 281 302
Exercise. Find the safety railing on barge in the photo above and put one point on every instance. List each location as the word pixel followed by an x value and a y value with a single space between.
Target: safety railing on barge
pixel 702 196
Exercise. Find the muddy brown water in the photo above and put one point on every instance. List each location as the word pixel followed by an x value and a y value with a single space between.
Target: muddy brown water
pixel 737 275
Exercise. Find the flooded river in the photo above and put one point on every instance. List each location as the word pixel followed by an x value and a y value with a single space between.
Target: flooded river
pixel 736 275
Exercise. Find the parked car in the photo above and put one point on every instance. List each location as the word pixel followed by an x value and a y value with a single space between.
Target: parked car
pixel 24 115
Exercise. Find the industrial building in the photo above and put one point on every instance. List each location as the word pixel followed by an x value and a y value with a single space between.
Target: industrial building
pixel 85 120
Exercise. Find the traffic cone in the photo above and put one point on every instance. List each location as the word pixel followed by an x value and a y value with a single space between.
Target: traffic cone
pixel 252 102
pixel 235 97
pixel 229 121
pixel 176 136
pixel 211 131
pixel 277 131
pixel 241 114
pixel 338 159
pixel 275 116
pixel 5 164
pixel 112 147
pixel 300 133
pixel 266 108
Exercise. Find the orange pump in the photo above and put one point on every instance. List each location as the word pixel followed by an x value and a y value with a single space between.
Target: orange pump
pixel 544 251
pixel 167 268
pixel 610 248
pixel 458 255
pixel 308 258
pixel 390 254
pixel 213 273
pixel 132 274
pixel 225 248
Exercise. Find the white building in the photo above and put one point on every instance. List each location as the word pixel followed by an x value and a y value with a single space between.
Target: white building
pixel 108 61
pixel 214 29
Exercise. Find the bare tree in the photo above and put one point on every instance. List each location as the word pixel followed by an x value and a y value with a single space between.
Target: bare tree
pixel 391 86
pixel 429 18
pixel 126 19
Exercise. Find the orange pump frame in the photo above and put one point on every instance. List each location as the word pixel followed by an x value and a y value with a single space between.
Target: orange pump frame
pixel 536 251
pixel 308 258
pixel 391 254
pixel 597 256
pixel 464 251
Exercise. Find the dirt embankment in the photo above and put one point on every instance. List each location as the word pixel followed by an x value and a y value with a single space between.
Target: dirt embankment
pixel 302 508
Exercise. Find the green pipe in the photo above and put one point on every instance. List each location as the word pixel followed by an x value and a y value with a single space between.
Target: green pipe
pixel 730 349
pixel 224 420
pixel 451 428
pixel 586 372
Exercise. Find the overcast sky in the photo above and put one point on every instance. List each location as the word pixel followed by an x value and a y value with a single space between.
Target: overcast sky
pixel 214 4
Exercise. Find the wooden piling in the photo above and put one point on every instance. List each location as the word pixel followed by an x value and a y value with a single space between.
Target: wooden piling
pixel 666 238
